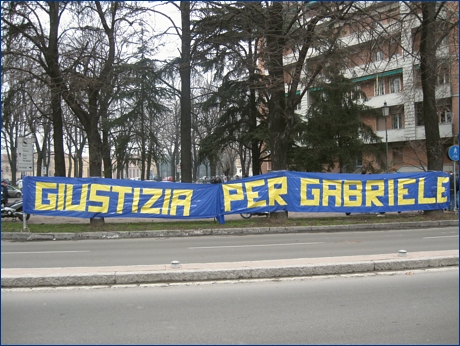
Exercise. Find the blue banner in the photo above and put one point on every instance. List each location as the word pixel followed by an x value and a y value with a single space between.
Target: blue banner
pixel 100 197
pixel 277 191
pixel 329 192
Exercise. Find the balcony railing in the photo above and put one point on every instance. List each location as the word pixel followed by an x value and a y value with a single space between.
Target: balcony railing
pixel 401 135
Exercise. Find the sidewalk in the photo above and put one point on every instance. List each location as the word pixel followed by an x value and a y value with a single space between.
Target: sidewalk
pixel 194 272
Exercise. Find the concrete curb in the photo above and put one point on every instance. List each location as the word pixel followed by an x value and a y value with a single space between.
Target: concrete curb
pixel 27 236
pixel 108 276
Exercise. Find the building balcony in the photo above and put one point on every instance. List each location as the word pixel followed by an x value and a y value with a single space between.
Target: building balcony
pixel 392 99
pixel 442 91
pixel 446 130
pixel 401 135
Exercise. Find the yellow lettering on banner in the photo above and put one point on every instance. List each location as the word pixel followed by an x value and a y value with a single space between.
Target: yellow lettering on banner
pixel 252 195
pixel 402 191
pixel 232 197
pixel 329 192
pixel 81 206
pixel 372 196
pixel 94 197
pixel 147 207
pixel 61 195
pixel 274 194
pixel 166 201
pixel 122 191
pixel 348 192
pixel 421 196
pixel 135 205
pixel 391 192
pixel 304 201
pixel 39 187
pixel 441 189
pixel 186 203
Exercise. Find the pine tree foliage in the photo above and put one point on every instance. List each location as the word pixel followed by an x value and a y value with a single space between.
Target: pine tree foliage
pixel 229 36
pixel 334 136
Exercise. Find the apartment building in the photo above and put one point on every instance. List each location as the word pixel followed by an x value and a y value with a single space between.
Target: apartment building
pixel 386 68
pixel 396 80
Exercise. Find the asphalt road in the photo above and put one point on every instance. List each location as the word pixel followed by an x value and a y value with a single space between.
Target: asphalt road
pixel 407 308
pixel 213 249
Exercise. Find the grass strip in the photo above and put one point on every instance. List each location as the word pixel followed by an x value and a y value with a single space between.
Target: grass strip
pixel 16 226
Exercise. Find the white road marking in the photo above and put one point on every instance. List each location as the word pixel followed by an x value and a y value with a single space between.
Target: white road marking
pixel 444 236
pixel 39 252
pixel 219 247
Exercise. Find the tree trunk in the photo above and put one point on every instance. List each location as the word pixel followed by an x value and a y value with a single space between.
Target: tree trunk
pixel 254 114
pixel 278 125
pixel 433 142
pixel 53 56
pixel 185 104
pixel 106 157
pixel 38 171
pixel 278 217
pixel 95 152
pixel 277 103
pixel 434 147
pixel 95 160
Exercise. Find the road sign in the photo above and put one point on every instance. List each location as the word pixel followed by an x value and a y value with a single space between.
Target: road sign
pixel 453 153
pixel 25 154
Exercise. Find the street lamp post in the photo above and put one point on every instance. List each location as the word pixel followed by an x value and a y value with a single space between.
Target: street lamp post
pixel 386 113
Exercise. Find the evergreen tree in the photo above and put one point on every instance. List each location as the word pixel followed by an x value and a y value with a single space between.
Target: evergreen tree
pixel 230 38
pixel 334 135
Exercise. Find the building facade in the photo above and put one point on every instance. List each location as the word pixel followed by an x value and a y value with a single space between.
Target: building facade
pixel 387 69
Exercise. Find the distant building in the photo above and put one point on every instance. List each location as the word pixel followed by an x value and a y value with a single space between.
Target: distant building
pixel 131 172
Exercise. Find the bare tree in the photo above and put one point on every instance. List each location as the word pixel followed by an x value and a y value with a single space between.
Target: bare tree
pixel 184 65
pixel 22 19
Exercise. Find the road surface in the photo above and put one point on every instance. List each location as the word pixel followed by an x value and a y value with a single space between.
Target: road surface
pixel 213 249
pixel 407 308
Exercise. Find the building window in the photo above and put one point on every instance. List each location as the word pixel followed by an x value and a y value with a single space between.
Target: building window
pixel 419 114
pixel 394 47
pixel 445 116
pixel 379 87
pixel 444 42
pixel 443 74
pixel 357 94
pixel 397 121
pixel 398 158
pixel 395 85
pixel 298 107
pixel 379 55
pixel 417 77
pixel 381 123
